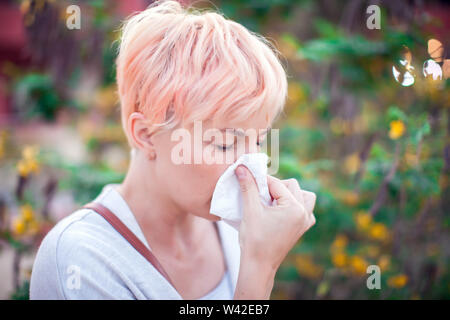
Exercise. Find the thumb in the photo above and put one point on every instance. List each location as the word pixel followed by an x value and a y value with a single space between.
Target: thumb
pixel 249 188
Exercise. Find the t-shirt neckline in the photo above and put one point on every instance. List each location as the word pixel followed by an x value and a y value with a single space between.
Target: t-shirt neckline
pixel 124 213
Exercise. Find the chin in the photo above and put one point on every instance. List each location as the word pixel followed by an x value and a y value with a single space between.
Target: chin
pixel 208 216
pixel 212 217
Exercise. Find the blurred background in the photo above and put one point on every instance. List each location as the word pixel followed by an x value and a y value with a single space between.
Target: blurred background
pixel 366 127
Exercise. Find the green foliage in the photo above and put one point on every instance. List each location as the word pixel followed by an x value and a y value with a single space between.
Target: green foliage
pixel 36 96
pixel 85 180
pixel 23 292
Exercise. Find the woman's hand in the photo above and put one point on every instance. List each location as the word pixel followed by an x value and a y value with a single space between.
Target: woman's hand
pixel 267 233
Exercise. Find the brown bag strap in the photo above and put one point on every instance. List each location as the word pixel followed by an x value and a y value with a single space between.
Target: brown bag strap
pixel 128 235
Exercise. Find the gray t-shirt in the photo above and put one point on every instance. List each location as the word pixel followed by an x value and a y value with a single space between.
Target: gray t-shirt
pixel 84 257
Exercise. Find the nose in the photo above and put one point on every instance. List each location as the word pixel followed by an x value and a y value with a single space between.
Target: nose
pixel 250 147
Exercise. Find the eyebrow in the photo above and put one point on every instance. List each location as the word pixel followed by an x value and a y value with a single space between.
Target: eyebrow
pixel 241 132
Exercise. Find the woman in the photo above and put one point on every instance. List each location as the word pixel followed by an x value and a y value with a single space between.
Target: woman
pixel 176 67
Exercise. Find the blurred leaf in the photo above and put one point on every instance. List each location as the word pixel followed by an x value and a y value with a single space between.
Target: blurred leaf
pixel 35 95
pixel 395 113
pixel 331 49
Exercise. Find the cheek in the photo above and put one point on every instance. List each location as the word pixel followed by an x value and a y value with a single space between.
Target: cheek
pixel 191 185
pixel 204 178
pixel 195 190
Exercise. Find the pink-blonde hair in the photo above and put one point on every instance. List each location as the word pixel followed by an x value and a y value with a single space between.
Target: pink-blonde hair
pixel 180 64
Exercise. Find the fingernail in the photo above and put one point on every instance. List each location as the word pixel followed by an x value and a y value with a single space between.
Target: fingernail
pixel 240 172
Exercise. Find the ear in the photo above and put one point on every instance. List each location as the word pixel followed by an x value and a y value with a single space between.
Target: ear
pixel 140 134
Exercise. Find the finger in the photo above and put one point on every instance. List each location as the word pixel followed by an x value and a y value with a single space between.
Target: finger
pixel 312 219
pixel 305 197
pixel 278 190
pixel 294 187
pixel 249 188
pixel 310 200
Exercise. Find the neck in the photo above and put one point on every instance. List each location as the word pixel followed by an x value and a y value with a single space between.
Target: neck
pixel 164 224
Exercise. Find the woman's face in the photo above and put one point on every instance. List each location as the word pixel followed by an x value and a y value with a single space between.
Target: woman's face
pixel 187 169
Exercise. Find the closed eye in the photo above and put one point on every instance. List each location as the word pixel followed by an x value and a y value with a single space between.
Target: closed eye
pixel 225 147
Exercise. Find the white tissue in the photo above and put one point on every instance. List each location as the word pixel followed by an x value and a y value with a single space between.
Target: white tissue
pixel 227 197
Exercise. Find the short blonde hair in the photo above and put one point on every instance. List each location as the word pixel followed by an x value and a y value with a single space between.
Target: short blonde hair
pixel 181 64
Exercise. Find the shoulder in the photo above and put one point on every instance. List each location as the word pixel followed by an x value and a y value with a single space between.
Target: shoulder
pixel 67 233
pixel 76 252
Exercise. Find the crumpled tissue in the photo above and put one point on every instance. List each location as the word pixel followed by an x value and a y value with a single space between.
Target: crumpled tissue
pixel 227 200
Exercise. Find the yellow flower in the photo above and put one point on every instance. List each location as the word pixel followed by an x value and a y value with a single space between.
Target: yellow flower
pixel 30 152
pixel 339 259
pixel 384 262
pixel 33 227
pixel 28 164
pixel 306 266
pixel 363 220
pixel 350 198
pixel 352 163
pixel 33 165
pixel 378 231
pixel 339 243
pixel 358 265
pixel 22 168
pixel 25 223
pixel 398 281
pixel 27 212
pixel 295 93
pixel 397 128
pixel 25 167
pixel 19 226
